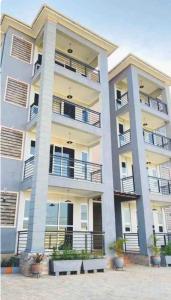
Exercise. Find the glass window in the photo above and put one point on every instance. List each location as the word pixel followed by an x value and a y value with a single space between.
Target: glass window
pixel 84 216
pixel 26 214
pixel 66 214
pixel 32 147
pixel 52 214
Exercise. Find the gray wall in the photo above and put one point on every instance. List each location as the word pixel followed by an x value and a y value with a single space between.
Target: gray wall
pixel 12 116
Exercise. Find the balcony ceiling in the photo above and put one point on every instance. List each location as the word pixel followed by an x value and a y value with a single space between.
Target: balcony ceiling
pixel 80 51
pixel 74 134
pixel 71 192
pixel 156 158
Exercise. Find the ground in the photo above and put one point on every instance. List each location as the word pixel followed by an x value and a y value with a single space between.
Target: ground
pixel 136 282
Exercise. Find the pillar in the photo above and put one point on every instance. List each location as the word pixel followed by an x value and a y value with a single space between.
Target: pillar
pixel 144 211
pixel 37 214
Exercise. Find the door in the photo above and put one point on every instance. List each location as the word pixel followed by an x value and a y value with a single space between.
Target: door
pixel 69 110
pixel 97 225
pixel 68 162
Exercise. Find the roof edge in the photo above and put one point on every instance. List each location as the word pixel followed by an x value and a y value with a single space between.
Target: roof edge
pixel 132 59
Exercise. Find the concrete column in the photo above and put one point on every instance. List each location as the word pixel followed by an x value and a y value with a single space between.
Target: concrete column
pixel 37 215
pixel 167 97
pixel 144 212
pixel 118 215
pixel 108 214
pixel 114 138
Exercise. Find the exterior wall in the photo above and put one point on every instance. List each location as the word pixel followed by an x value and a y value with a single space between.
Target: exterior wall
pixel 12 116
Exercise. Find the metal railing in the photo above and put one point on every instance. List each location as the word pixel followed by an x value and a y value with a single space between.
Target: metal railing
pixel 157 139
pixel 89 241
pixel 159 185
pixel 76 169
pixel 154 103
pixel 33 111
pixel 131 242
pixel 128 184
pixel 28 168
pixel 120 102
pixel 161 238
pixel 75 111
pixel 76 66
pixel 125 138
pixel 78 112
pixel 70 168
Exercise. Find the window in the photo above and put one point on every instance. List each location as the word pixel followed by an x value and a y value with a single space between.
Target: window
pixel 16 92
pixel 26 214
pixel 127 218
pixel 32 147
pixel 124 169
pixel 84 217
pixel 11 142
pixel 8 208
pixel 85 116
pixel 58 215
pixel 21 49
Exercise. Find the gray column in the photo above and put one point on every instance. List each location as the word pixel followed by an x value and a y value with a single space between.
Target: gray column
pixel 118 215
pixel 108 215
pixel 114 137
pixel 144 212
pixel 37 215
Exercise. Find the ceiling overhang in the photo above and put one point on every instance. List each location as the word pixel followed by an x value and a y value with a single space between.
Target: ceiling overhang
pixel 140 64
pixel 47 13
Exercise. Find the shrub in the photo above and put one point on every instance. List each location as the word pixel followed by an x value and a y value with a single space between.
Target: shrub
pixel 118 246
pixel 167 249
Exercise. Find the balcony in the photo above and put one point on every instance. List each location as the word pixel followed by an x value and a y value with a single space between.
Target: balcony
pixel 68 168
pixel 122 101
pixel 89 241
pixel 128 184
pixel 154 103
pixel 72 111
pixel 159 185
pixel 125 138
pixel 157 139
pixel 73 65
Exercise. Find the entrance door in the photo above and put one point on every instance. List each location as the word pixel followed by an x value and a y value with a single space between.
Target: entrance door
pixel 97 225
pixel 69 110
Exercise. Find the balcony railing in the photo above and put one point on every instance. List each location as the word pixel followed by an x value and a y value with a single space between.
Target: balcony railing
pixel 70 168
pixel 157 139
pixel 77 66
pixel 33 111
pixel 159 185
pixel 154 103
pixel 122 101
pixel 72 111
pixel 76 112
pixel 125 138
pixel 89 241
pixel 128 184
pixel 131 242
pixel 162 238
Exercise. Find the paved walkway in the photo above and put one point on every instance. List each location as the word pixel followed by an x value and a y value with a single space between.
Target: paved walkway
pixel 140 283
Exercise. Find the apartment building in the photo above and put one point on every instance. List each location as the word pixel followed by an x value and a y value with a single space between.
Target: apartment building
pixel 57 184
pixel 141 134
pixel 83 161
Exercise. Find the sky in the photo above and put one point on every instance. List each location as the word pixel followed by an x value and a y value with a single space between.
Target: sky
pixel 142 27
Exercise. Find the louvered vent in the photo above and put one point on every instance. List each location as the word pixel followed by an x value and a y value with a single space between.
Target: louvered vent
pixel 11 142
pixel 21 49
pixel 16 92
pixel 8 208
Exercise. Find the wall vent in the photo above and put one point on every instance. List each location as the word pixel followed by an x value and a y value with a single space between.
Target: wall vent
pixel 21 49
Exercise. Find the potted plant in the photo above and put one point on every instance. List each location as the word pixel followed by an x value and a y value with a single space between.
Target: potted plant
pixel 36 266
pixel 93 261
pixel 118 247
pixel 9 266
pixel 166 251
pixel 66 260
pixel 155 251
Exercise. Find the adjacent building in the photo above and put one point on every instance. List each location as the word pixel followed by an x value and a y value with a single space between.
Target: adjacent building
pixel 84 161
